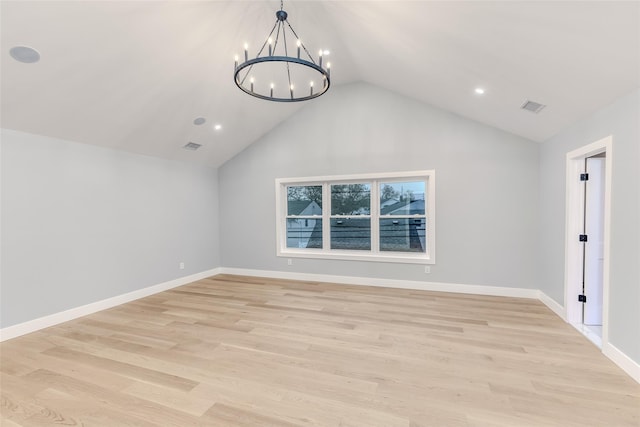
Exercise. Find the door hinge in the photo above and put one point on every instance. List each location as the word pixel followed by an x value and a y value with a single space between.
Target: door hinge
pixel 584 177
pixel 582 238
pixel 582 298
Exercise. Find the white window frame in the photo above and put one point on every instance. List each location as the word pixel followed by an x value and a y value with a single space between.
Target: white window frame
pixel 428 257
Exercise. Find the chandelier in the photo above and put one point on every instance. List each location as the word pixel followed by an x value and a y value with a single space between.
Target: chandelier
pixel 280 72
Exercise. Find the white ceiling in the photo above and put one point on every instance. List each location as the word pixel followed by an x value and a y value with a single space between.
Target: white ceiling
pixel 134 74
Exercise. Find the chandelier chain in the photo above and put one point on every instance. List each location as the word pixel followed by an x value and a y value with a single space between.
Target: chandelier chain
pixel 301 44
pixel 275 43
pixel 286 53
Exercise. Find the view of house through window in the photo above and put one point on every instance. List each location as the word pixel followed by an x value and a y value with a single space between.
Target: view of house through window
pixel 402 216
pixel 355 216
pixel 304 216
pixel 350 216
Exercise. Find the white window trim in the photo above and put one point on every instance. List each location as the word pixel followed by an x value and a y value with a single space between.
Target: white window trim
pixel 374 255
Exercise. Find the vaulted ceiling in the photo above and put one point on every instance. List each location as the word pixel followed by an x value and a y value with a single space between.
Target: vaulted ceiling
pixel 133 75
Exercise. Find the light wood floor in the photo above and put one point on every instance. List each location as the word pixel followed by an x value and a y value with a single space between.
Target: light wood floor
pixel 240 351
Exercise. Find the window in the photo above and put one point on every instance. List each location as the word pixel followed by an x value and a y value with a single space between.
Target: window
pixel 382 217
pixel 304 216
pixel 402 216
pixel 351 216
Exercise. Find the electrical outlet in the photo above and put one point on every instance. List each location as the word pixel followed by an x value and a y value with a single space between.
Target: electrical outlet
pixel 427 269
pixel 182 266
pixel 289 261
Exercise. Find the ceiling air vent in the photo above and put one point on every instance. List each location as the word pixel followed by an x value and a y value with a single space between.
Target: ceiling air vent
pixel 192 146
pixel 534 107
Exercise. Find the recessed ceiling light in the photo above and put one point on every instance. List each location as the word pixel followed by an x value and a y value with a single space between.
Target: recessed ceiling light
pixel 479 91
pixel 25 54
pixel 217 127
pixel 192 146
pixel 326 52
pixel 199 120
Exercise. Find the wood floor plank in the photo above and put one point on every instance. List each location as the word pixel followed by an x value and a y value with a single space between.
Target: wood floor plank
pixel 239 351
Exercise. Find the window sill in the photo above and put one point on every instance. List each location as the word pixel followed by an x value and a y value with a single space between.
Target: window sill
pixel 400 258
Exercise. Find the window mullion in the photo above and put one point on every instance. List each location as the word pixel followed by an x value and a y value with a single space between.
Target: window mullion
pixel 375 217
pixel 326 217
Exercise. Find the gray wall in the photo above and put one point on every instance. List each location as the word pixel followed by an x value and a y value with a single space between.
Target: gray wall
pixel 622 120
pixel 82 223
pixel 487 186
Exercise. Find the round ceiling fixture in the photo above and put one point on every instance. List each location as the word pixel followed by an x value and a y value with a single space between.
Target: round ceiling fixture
pixel 479 91
pixel 199 121
pixel 25 54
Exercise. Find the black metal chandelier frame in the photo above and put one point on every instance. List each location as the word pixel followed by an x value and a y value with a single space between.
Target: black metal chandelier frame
pixel 242 70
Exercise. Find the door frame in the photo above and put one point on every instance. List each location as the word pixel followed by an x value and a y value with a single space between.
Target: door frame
pixel 573 228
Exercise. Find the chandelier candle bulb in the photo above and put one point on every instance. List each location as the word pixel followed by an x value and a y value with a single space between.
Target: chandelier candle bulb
pixel 270 46
pixel 311 88
pixel 236 62
pixel 329 69
pixel 291 90
pixel 246 52
pixel 298 43
pixel 272 90
pixel 251 80
pixel 320 59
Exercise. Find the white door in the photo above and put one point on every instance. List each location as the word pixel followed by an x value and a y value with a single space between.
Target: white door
pixel 594 246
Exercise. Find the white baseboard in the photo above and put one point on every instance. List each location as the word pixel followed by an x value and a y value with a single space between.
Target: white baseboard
pixel 609 350
pixel 73 313
pixel 552 305
pixel 618 357
pixel 389 283
pixel 625 363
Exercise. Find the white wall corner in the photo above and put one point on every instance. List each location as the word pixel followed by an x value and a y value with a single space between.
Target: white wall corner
pixel 552 305
pixel 625 363
pixel 73 313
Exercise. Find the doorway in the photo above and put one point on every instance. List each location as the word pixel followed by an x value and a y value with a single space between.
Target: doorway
pixel 593 246
pixel 588 189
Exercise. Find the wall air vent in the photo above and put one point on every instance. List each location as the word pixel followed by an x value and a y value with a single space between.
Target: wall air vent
pixel 532 106
pixel 192 146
